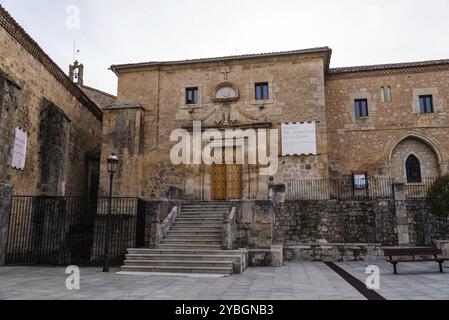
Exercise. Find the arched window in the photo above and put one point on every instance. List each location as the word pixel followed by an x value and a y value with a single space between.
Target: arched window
pixel 389 94
pixel 382 94
pixel 413 168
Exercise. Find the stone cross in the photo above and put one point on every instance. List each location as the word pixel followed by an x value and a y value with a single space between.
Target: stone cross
pixel 225 74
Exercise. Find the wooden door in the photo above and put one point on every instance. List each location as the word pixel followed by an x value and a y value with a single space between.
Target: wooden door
pixel 219 191
pixel 226 181
pixel 234 181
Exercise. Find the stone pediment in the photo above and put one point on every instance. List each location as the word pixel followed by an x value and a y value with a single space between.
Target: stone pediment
pixel 225 92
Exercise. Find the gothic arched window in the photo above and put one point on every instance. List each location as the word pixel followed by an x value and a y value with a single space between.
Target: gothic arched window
pixel 413 168
pixel 382 94
pixel 389 94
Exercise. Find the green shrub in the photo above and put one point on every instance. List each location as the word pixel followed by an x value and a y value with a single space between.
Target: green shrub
pixel 439 197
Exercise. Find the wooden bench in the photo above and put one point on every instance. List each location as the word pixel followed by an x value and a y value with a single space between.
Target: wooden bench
pixel 414 255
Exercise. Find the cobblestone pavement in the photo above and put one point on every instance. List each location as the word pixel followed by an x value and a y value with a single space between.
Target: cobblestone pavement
pixel 294 281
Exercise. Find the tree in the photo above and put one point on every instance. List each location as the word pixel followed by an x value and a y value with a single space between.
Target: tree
pixel 439 197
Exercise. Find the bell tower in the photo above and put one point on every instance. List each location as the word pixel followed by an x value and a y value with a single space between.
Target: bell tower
pixel 76 72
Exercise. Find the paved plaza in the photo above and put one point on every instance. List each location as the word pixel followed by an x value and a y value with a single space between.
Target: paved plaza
pixel 294 281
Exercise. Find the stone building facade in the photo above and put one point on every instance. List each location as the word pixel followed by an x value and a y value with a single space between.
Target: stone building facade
pixel 151 103
pixel 398 135
pixel 395 127
pixel 60 123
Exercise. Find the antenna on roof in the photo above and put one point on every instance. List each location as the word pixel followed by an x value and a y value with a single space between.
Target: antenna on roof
pixel 75 51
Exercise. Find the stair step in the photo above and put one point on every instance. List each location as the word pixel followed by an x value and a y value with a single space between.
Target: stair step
pixel 178 269
pixel 185 233
pixel 195 225
pixel 201 214
pixel 181 257
pixel 191 242
pixel 182 263
pixel 188 246
pixel 193 251
pixel 216 237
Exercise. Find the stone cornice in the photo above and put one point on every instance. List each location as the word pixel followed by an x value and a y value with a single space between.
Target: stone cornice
pixel 387 70
pixel 21 36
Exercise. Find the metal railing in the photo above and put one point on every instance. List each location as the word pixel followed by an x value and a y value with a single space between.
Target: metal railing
pixel 419 189
pixel 341 188
pixel 71 230
pixel 348 188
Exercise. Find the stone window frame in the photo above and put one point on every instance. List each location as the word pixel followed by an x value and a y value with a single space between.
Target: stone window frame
pixel 389 94
pixel 372 110
pixel 250 91
pixel 438 104
pixel 182 95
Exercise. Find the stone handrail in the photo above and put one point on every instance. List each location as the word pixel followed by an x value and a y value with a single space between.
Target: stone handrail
pixel 163 227
pixel 229 226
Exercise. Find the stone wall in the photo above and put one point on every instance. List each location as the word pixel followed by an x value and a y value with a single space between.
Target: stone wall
pixel 39 78
pixel 333 221
pixel 425 228
pixel 254 224
pixel 366 144
pixel 357 221
pixel 5 203
pixel 9 102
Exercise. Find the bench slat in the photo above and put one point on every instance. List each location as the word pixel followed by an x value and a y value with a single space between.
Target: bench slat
pixel 412 252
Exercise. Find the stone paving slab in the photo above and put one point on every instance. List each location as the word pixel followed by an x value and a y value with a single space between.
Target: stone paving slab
pixel 415 281
pixel 294 281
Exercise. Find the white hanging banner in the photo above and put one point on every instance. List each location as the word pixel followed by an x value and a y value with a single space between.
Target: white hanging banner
pixel 299 139
pixel 20 149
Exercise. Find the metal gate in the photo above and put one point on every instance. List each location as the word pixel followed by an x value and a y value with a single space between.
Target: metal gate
pixel 61 231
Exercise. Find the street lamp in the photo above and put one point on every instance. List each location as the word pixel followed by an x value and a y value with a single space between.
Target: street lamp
pixel 112 161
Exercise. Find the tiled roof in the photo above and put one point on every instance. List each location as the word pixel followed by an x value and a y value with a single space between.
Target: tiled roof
pixel 326 50
pixel 21 36
pixel 381 67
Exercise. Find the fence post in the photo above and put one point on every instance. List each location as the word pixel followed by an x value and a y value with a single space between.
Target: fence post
pixel 401 214
pixel 5 205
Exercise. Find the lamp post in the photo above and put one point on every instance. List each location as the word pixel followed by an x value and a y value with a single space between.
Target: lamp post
pixel 112 161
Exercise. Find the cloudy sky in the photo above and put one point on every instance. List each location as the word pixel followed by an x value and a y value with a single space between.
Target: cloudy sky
pixel 116 31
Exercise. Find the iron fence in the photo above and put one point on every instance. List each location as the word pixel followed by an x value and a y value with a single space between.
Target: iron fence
pixel 419 189
pixel 341 188
pixel 349 188
pixel 60 231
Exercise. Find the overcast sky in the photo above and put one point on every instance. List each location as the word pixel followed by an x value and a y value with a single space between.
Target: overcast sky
pixel 117 31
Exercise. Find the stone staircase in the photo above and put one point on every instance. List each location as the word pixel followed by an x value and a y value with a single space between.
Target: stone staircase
pixel 192 245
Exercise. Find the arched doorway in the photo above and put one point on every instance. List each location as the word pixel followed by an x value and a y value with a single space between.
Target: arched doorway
pixel 413 160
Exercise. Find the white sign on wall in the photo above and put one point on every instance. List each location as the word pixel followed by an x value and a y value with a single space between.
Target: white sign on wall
pixel 20 149
pixel 299 139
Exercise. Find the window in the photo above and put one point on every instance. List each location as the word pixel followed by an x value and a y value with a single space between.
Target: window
pixel 361 108
pixel 382 94
pixel 192 96
pixel 426 104
pixel 262 91
pixel 413 168
pixel 389 94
